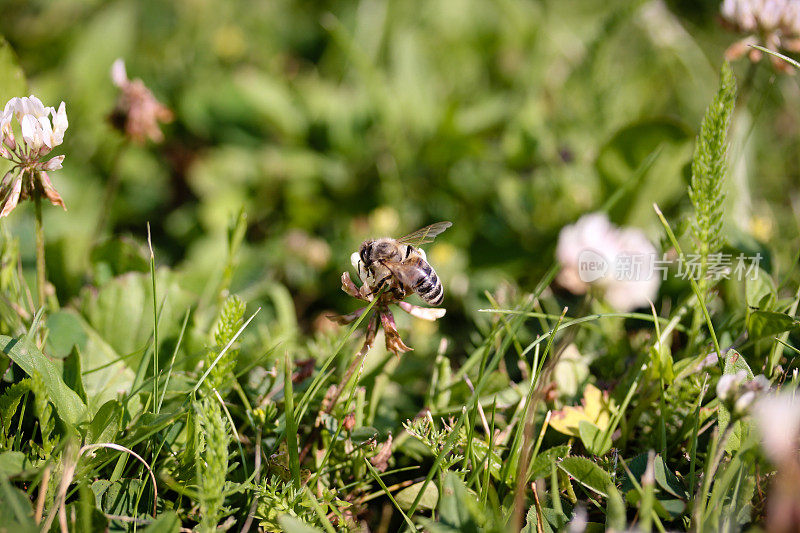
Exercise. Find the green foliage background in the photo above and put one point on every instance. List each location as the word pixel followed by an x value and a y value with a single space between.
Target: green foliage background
pixel 301 129
pixel 352 119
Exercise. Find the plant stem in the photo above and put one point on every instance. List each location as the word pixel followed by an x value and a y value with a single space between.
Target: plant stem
pixel 41 278
pixel 109 193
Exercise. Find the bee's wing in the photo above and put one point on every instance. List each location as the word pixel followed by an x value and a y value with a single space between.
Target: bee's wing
pixel 424 235
pixel 407 274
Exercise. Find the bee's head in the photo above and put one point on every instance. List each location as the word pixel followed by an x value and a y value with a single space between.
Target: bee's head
pixel 365 251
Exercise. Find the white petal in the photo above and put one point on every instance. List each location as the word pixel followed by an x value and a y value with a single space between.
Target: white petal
pixel 31 132
pixel 54 163
pixel 744 401
pixel 34 106
pixel 17 106
pixel 47 131
pixel 355 259
pixel 60 124
pixel 11 106
pixel 118 73
pixel 5 122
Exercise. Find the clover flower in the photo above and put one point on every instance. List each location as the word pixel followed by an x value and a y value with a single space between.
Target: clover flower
pixel 382 313
pixel 738 393
pixel 137 112
pixel 774 24
pixel 618 262
pixel 777 416
pixel 42 129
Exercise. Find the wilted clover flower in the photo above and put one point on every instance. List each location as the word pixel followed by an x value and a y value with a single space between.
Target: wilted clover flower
pixel 137 112
pixel 381 312
pixel 618 262
pixel 773 24
pixel 42 129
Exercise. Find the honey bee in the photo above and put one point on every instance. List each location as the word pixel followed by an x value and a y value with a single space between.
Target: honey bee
pixel 400 266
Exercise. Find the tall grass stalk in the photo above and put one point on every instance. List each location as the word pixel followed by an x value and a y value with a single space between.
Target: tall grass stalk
pixel 709 167
pixel 538 378
pixel 695 287
pixel 155 320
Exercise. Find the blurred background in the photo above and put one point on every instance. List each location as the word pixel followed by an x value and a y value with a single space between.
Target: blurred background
pixel 331 122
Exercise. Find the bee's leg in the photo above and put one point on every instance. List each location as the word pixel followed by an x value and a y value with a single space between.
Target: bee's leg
pixel 399 292
pixel 382 282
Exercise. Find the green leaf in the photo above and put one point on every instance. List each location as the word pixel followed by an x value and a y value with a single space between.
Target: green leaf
pixel 12 79
pixel 615 509
pixel 665 479
pixel 12 463
pixel 734 362
pixel 68 404
pixel 121 311
pixel 668 508
pixel 9 402
pixel 458 508
pixel 553 520
pixel 65 332
pixel 118 320
pixel 428 501
pixel 118 497
pixel 480 449
pixel 362 435
pixel 291 524
pixel 72 373
pixel 105 424
pixel 587 473
pixel 592 438
pixel 769 323
pixel 167 522
pixel 530 520
pixel 17 515
pixel 541 465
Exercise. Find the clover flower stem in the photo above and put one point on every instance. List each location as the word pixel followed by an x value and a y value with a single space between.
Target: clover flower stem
pixel 109 192
pixel 41 278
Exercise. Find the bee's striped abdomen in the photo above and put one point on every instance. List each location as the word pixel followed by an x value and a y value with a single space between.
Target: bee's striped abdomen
pixel 429 287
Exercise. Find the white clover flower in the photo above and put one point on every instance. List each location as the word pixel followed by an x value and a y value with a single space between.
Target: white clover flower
pixel 617 261
pixel 728 385
pixel 739 393
pixel 743 402
pixel 774 24
pixel 35 121
pixel 778 418
pixel 42 129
